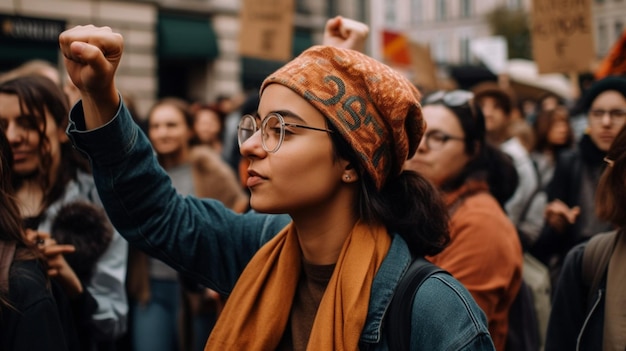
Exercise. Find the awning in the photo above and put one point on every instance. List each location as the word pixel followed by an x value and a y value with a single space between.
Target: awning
pixel 186 37
pixel 25 38
pixel 22 52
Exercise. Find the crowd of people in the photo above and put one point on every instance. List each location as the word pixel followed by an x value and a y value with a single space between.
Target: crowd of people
pixel 287 222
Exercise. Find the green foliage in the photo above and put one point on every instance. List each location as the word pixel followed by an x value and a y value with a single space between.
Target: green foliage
pixel 513 24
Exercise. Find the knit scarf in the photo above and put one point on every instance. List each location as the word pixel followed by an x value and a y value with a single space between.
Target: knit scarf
pixel 615 304
pixel 257 311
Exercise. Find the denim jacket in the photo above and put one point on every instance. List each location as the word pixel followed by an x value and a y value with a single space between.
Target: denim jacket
pixel 212 244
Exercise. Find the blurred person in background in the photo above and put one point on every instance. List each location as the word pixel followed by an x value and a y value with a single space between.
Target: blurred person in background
pixel 207 127
pixel 32 316
pixel 553 134
pixel 587 316
pixel 497 105
pixel 475 179
pixel 49 173
pixel 155 287
pixel 569 216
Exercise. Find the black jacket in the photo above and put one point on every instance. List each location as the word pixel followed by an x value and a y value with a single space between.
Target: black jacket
pixel 575 323
pixel 566 185
pixel 39 320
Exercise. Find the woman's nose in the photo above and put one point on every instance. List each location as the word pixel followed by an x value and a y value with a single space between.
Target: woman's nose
pixel 15 133
pixel 253 146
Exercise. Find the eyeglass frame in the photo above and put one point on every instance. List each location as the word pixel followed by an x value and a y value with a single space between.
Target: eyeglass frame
pixel 445 138
pixel 595 116
pixel 264 122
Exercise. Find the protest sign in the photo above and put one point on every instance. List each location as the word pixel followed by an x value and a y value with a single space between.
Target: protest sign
pixel 424 68
pixel 562 38
pixel 266 30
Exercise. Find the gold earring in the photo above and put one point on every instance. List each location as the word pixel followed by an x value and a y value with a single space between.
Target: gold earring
pixel 347 176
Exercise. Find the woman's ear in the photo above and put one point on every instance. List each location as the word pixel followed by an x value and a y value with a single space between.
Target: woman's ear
pixel 349 175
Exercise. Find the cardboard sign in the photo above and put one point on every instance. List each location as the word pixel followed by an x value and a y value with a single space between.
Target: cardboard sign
pixel 615 62
pixel 425 70
pixel 562 37
pixel 266 30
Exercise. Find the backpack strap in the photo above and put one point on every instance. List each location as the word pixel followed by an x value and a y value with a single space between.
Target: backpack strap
pixel 401 308
pixel 596 256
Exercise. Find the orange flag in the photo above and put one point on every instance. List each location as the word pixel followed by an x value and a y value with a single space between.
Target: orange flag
pixel 396 48
pixel 615 62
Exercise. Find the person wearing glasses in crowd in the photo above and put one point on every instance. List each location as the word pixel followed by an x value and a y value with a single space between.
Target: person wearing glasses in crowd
pixel 326 150
pixel 569 215
pixel 586 319
pixel 475 179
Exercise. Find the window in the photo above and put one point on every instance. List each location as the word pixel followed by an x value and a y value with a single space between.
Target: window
pixel 466 8
pixel 440 14
pixel 619 28
pixel 441 49
pixel 390 12
pixel 416 11
pixel 514 4
pixel 602 39
pixel 464 50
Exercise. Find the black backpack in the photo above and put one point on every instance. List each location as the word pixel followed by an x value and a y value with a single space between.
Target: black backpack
pixel 398 320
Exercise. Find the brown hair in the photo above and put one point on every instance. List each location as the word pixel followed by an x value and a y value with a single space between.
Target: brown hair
pixel 11 231
pixel 36 95
pixel 543 124
pixel 611 192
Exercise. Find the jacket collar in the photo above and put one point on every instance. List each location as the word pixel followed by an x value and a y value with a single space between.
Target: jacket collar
pixel 389 274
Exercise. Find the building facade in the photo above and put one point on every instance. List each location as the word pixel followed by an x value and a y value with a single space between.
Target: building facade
pixel 447 26
pixel 184 48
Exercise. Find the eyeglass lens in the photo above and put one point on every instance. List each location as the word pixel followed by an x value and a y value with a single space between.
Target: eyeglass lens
pixel 247 127
pixel 273 132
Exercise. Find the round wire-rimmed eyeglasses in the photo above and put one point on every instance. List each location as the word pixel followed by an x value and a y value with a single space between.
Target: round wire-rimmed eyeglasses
pixel 272 130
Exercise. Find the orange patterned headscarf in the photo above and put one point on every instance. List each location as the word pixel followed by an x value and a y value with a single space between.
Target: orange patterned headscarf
pixel 375 108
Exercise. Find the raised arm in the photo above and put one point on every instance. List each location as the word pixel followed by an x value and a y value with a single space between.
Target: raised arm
pixel 91 56
pixel 346 33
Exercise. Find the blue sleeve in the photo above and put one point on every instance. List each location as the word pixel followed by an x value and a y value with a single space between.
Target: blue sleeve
pixel 200 238
pixel 446 317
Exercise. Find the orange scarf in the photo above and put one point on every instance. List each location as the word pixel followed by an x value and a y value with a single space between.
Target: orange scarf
pixel 256 314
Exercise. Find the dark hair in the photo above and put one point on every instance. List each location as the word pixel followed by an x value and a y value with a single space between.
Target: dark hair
pixel 487 162
pixel 544 123
pixel 207 107
pixel 505 97
pixel 10 221
pixel 179 104
pixel 87 227
pixel 611 191
pixel 407 204
pixel 36 95
pixel 615 83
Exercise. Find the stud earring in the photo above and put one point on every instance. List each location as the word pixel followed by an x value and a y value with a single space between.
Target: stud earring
pixel 347 177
